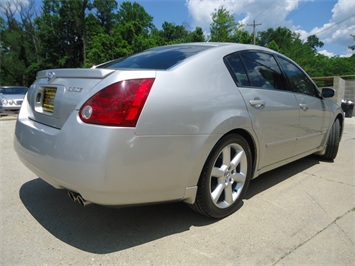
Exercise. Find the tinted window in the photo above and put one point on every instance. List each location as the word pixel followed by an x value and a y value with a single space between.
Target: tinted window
pixel 157 58
pixel 299 81
pixel 235 65
pixel 263 71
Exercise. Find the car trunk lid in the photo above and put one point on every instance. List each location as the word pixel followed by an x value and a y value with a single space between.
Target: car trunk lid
pixel 57 93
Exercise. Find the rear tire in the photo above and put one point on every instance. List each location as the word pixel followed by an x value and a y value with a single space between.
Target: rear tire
pixel 225 178
pixel 331 150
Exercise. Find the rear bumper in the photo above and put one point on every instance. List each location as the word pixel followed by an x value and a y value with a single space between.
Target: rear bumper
pixel 111 166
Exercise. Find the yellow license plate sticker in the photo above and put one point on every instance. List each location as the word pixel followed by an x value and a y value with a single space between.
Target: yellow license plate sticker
pixel 48 99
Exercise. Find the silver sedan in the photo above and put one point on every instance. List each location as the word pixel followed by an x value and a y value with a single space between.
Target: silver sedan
pixel 11 98
pixel 189 122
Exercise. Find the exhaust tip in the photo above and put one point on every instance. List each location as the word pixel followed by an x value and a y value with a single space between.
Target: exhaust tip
pixel 73 196
pixel 82 202
pixel 76 197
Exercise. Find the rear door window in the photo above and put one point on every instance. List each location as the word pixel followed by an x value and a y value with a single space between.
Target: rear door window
pixel 255 69
pixel 263 70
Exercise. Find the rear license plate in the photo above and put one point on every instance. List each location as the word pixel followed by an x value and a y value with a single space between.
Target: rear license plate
pixel 48 99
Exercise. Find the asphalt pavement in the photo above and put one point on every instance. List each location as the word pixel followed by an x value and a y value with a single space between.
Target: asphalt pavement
pixel 300 214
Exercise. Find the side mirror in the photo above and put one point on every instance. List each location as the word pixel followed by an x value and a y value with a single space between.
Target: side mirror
pixel 328 93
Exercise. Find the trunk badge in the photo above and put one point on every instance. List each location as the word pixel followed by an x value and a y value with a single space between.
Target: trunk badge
pixel 75 89
pixel 51 76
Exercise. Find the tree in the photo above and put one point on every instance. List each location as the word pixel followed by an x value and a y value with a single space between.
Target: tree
pixel 196 35
pixel 73 13
pixel 225 29
pixel 134 26
pixel 100 26
pixel 283 37
pixel 314 42
pixel 222 26
pixel 18 54
pixel 62 32
pixel 241 35
pixel 273 45
pixel 172 33
pixel 105 13
pixel 100 42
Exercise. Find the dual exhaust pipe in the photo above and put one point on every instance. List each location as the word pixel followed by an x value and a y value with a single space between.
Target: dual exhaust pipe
pixel 76 197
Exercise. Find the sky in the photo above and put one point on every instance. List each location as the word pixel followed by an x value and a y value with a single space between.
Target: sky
pixel 331 20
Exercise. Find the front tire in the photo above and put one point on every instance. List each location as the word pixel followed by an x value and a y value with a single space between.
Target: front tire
pixel 333 142
pixel 225 178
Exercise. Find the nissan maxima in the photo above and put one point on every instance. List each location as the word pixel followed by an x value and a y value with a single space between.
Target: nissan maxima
pixel 188 122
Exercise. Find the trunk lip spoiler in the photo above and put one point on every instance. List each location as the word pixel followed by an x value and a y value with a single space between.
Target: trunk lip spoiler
pixel 50 74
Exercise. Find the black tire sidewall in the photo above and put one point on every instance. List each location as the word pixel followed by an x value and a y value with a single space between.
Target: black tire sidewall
pixel 333 141
pixel 204 194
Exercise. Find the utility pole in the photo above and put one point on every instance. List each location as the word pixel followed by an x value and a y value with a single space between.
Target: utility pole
pixel 254 31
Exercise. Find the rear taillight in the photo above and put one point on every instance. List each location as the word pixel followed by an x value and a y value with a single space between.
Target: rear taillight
pixel 119 104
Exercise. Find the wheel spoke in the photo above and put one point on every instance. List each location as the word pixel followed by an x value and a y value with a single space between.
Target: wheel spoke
pixel 216 194
pixel 228 195
pixel 239 178
pixel 217 172
pixel 226 155
pixel 236 160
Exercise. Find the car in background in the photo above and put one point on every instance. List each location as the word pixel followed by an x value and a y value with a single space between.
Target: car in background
pixel 189 122
pixel 11 98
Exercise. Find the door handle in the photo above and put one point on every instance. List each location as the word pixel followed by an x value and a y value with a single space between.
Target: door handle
pixel 303 106
pixel 257 103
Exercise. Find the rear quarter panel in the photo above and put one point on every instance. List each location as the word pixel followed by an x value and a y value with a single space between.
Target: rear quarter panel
pixel 198 98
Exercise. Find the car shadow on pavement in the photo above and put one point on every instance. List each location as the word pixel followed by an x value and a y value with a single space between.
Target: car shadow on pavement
pixel 274 177
pixel 102 230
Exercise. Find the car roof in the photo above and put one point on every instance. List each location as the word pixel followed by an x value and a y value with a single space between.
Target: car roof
pixel 235 46
pixel 222 48
pixel 225 48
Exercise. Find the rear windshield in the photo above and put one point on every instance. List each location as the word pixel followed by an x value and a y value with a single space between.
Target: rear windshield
pixel 161 58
